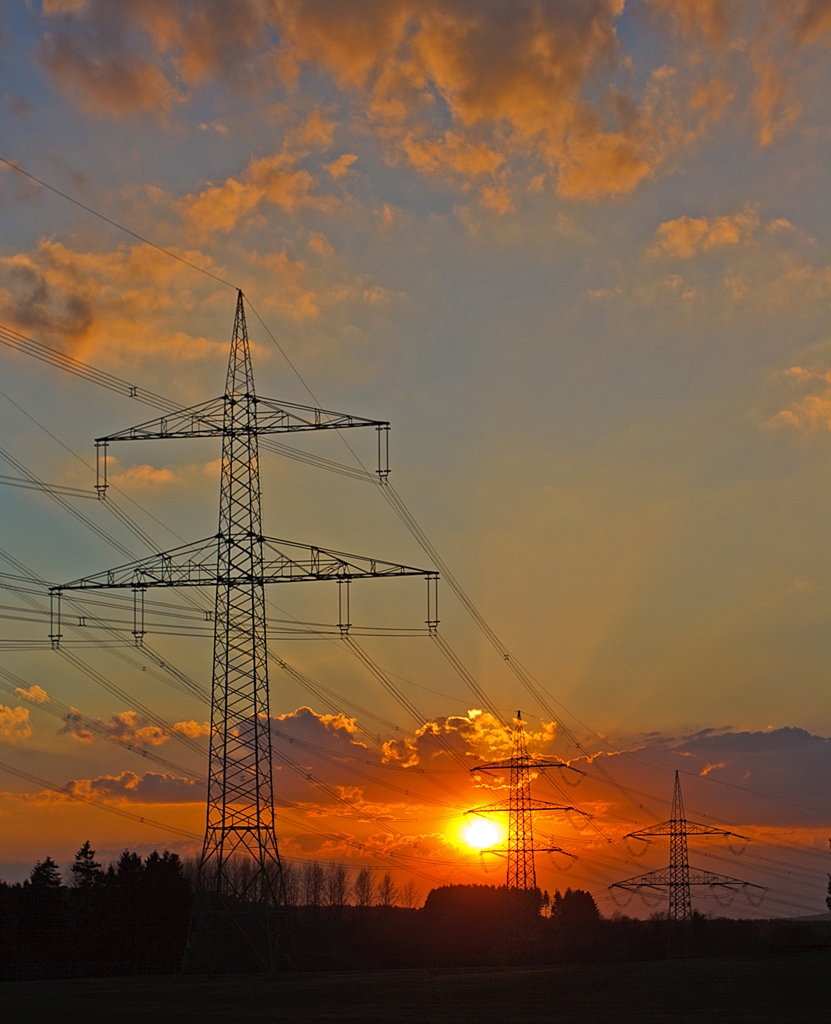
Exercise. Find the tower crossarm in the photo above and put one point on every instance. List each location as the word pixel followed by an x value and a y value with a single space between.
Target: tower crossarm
pixel 531 804
pixel 501 851
pixel 285 561
pixel 197 565
pixel 191 565
pixel 530 763
pixel 662 879
pixel 224 417
pixel 207 420
pixel 692 828
pixel 194 565
pixel 277 417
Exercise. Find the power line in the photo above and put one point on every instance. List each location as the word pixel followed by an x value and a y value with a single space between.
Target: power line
pixel 15 166
pixel 74 366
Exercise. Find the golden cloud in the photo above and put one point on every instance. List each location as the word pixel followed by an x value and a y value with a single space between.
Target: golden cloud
pixel 476 92
pixel 192 729
pixel 35 693
pixel 685 237
pixel 14 724
pixel 813 412
pixel 112 303
pixel 143 476
pixel 125 726
pixel 341 166
pixel 773 101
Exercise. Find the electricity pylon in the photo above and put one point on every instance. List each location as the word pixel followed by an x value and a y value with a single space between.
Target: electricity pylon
pixel 678 879
pixel 519 849
pixel 240 875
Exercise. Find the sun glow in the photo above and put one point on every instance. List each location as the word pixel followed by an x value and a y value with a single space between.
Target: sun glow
pixel 482 832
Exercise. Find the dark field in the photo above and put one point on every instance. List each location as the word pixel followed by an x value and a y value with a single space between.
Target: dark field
pixel 770 989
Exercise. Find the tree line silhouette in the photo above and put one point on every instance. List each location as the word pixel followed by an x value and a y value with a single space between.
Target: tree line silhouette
pixel 132 917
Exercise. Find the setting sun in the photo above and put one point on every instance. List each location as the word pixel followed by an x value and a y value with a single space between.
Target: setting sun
pixel 482 832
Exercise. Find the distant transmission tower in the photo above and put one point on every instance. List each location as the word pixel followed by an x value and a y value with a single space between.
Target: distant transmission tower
pixel 678 878
pixel 519 850
pixel 240 875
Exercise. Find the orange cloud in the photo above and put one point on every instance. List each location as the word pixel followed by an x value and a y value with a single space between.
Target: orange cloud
pixel 143 476
pixel 341 166
pixel 192 729
pixel 35 693
pixel 511 82
pixel 126 726
pixel 603 165
pixel 150 788
pixel 114 303
pixel 812 412
pixel 274 179
pixel 476 736
pixel 14 724
pixel 685 237
pixel 455 88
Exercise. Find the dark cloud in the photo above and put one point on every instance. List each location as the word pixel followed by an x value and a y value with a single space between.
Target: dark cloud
pixel 38 305
pixel 776 777
pixel 19 107
pixel 150 788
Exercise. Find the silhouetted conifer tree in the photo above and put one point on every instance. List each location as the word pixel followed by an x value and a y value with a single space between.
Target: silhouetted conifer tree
pixel 86 871
pixel 45 875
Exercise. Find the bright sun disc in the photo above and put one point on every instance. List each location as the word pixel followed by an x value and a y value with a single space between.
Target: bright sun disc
pixel 481 833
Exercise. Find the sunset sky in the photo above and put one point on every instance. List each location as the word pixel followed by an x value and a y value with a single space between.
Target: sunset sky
pixel 577 253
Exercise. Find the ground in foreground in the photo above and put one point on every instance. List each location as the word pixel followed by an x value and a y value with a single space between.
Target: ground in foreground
pixel 781 989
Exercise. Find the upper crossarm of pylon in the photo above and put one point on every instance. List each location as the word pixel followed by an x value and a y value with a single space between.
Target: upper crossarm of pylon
pixel 272 417
pixel 529 762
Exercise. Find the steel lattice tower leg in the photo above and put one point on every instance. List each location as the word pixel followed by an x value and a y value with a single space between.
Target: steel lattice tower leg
pixel 239 870
pixel 680 904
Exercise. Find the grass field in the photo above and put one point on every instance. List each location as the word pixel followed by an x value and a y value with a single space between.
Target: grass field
pixel 781 989
pixel 778 989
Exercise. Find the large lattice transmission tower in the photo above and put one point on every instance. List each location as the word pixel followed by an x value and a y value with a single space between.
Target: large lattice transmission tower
pixel 520 847
pixel 239 870
pixel 677 880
